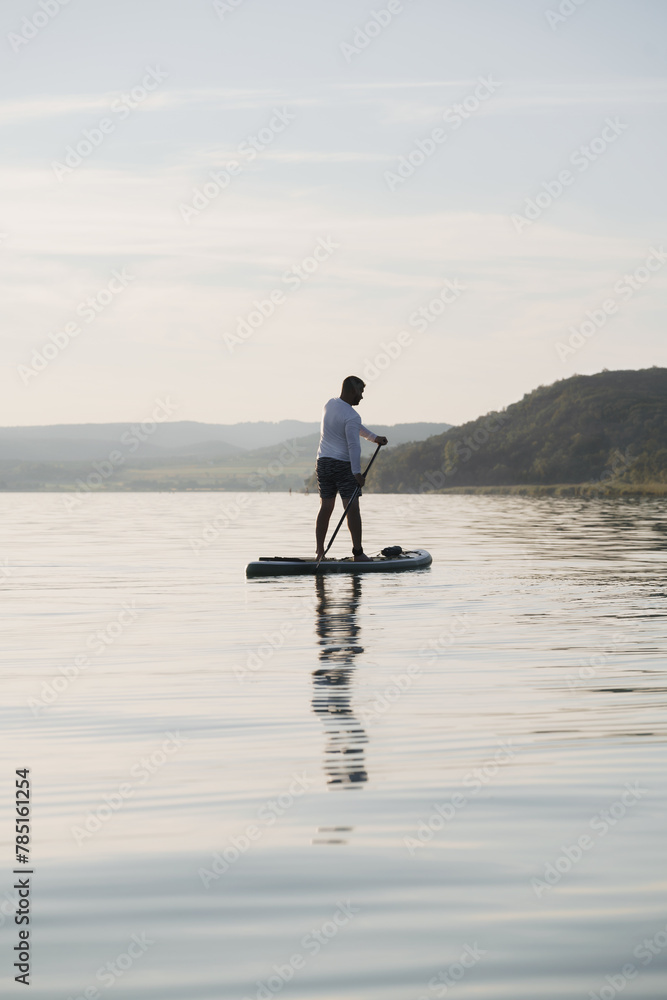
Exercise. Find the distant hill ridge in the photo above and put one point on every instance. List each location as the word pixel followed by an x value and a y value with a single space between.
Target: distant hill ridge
pixel 171 439
pixel 607 427
pixel 59 442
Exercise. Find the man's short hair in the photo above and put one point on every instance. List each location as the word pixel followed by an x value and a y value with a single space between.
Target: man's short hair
pixel 352 382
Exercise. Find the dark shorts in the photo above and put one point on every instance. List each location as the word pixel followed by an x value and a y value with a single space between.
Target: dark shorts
pixel 335 476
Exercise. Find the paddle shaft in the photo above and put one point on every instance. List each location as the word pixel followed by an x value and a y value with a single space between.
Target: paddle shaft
pixel 353 498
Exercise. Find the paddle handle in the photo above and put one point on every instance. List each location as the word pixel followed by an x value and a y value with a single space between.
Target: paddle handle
pixel 352 499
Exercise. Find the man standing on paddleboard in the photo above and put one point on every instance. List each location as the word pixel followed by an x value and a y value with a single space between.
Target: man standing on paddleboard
pixel 339 462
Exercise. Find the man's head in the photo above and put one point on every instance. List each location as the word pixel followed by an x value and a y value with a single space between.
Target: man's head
pixel 352 390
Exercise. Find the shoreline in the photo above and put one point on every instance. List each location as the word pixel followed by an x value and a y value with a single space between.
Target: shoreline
pixel 590 490
pixel 563 490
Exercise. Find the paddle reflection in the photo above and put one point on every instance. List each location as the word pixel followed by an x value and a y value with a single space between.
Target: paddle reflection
pixel 338 630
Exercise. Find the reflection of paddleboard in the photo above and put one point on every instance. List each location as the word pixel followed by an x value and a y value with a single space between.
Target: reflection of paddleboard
pixel 287 566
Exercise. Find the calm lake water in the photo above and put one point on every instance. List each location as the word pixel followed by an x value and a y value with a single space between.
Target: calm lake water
pixel 442 783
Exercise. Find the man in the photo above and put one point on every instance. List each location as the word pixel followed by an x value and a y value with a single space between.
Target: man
pixel 339 462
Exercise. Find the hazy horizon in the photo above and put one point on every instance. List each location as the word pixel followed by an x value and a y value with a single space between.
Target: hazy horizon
pixel 209 423
pixel 279 420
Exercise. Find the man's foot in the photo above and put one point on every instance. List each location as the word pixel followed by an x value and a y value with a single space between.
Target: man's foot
pixel 361 556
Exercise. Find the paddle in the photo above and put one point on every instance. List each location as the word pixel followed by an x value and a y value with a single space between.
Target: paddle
pixel 353 498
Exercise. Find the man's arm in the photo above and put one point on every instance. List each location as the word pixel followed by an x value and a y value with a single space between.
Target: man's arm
pixel 353 445
pixel 352 432
pixel 376 438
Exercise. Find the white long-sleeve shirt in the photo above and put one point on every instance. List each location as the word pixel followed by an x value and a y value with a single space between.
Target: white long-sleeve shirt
pixel 340 430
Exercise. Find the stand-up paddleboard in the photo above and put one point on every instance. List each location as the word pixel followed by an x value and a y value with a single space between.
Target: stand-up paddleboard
pixel 288 566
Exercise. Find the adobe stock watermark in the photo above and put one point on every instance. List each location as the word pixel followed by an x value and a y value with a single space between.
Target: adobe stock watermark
pixel 96 644
pixel 247 151
pixel 267 816
pixel 8 907
pixel 92 138
pixel 446 979
pixel 419 320
pixel 620 463
pixel 89 310
pixel 31 26
pixel 426 147
pixel 225 7
pixel 292 279
pixel 473 782
pixel 312 943
pixel 464 449
pixel 581 159
pixel 263 478
pixel 646 952
pixel 141 772
pixel 400 683
pixel 603 821
pixel 109 973
pixel 588 670
pixel 564 11
pixel 271 642
pixel 624 290
pixel 214 528
pixel 364 34
pixel 103 470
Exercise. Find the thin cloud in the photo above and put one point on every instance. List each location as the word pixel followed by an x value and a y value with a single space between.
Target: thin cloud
pixel 70 104
pixel 404 84
pixel 212 157
pixel 514 97
pixel 518 95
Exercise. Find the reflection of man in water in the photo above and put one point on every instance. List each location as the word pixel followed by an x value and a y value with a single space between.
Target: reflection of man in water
pixel 337 627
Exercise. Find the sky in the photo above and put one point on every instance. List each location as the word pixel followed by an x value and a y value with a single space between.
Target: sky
pixel 232 205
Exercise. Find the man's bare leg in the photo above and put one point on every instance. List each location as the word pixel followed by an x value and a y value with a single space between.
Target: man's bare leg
pixel 354 524
pixel 322 523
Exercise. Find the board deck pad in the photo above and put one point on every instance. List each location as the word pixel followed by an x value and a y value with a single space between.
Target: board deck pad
pixel 295 565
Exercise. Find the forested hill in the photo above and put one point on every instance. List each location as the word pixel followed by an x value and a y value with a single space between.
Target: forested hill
pixel 604 428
